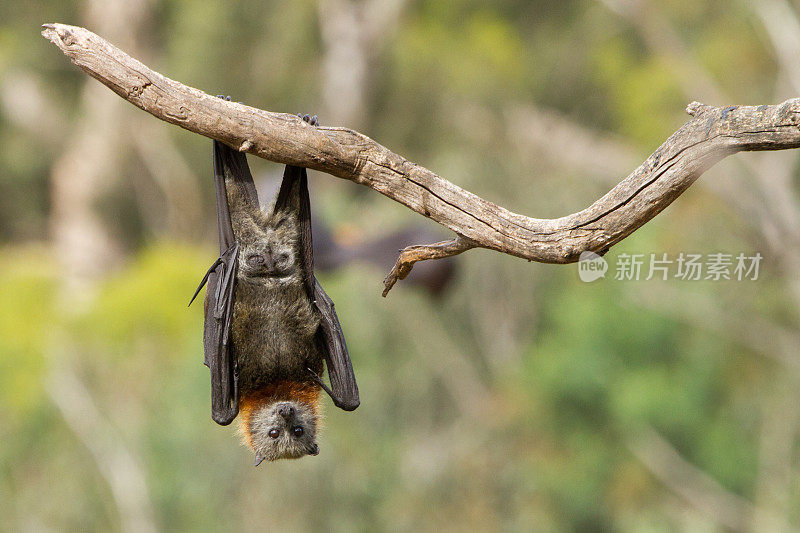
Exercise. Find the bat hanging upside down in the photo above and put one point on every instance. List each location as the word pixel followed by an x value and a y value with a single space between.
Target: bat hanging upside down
pixel 268 324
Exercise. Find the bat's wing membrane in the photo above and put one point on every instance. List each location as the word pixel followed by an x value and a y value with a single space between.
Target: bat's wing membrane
pixel 216 338
pixel 221 278
pixel 343 390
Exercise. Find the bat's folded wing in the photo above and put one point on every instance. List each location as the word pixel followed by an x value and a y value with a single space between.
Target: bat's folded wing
pixel 221 278
pixel 344 390
pixel 216 338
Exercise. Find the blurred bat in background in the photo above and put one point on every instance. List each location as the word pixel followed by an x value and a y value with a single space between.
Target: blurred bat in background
pixel 269 325
pixel 333 251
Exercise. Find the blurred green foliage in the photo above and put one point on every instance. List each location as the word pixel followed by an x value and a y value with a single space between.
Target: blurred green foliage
pixel 516 401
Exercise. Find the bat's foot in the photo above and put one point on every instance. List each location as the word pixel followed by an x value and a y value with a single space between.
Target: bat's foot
pixel 308 118
pixel 228 98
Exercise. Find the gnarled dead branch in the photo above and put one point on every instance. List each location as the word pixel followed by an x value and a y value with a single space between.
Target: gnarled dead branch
pixel 711 135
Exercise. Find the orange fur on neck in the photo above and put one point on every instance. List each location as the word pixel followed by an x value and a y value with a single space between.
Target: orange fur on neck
pixel 307 393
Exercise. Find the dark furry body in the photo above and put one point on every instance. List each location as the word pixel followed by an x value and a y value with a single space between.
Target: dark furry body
pixel 274 321
pixel 273 335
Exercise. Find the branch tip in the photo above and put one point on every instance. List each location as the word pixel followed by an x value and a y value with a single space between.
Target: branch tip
pixel 695 108
pixel 421 252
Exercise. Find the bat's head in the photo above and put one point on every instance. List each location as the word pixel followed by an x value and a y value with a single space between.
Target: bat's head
pixel 282 430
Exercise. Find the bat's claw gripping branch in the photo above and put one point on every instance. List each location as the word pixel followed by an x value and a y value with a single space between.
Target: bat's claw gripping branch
pixel 308 118
pixel 421 252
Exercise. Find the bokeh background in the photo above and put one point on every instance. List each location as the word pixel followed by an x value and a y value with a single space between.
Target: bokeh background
pixel 496 393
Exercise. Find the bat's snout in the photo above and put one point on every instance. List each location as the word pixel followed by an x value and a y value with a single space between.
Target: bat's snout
pixel 286 411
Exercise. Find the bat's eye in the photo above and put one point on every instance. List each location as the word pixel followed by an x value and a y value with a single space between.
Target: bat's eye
pixel 298 431
pixel 283 257
pixel 274 433
pixel 255 260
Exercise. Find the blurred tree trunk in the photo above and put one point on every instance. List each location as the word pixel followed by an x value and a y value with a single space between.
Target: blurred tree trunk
pixel 352 35
pixel 84 249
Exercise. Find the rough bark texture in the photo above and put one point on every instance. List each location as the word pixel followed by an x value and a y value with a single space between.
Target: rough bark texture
pixel 712 134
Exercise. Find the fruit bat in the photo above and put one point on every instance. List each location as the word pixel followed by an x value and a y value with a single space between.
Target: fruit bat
pixel 269 326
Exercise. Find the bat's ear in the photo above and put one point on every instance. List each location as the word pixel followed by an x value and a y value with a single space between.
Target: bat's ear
pixel 287 204
pixel 259 458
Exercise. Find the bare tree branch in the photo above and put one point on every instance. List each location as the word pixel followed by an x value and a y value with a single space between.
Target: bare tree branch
pixel 756 333
pixel 775 483
pixel 713 134
pixel 777 210
pixel 117 463
pixel 565 141
pixel 783 28
pixel 660 36
pixel 172 174
pixel 698 488
pixel 421 252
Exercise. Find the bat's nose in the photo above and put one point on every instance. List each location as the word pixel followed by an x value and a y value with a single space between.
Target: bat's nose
pixel 269 260
pixel 286 411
